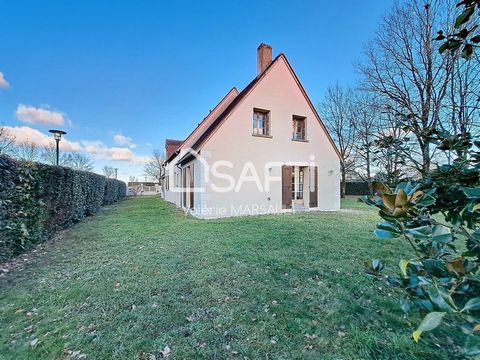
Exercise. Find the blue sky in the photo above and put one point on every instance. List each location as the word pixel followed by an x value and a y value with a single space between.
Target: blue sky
pixel 147 70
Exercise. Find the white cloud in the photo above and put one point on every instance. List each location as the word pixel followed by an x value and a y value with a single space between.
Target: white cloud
pixel 3 82
pixel 25 134
pixel 124 141
pixel 44 116
pixel 97 149
pixel 100 151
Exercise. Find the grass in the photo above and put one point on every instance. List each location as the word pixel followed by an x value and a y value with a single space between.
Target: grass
pixel 141 276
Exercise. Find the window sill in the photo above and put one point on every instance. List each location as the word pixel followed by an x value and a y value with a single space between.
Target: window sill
pixel 262 136
pixel 300 140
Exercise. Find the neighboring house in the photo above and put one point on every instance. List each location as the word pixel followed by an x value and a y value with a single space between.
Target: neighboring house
pixel 259 151
pixel 135 188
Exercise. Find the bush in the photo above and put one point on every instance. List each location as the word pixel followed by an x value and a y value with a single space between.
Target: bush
pixel 438 216
pixel 36 200
pixel 356 188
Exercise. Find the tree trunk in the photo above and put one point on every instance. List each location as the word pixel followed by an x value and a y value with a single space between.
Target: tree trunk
pixel 343 181
pixel 426 161
pixel 369 173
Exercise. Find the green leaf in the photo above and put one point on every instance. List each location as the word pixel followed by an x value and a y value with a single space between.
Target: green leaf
pixel 443 47
pixel 467 51
pixel 472 304
pixel 385 225
pixel 464 17
pixel 385 234
pixel 365 199
pixel 438 300
pixel 475 39
pixel 442 234
pixel 431 321
pixel 425 200
pixel 420 233
pixel 472 193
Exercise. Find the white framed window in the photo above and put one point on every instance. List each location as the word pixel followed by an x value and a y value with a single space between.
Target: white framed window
pixel 261 122
pixel 299 128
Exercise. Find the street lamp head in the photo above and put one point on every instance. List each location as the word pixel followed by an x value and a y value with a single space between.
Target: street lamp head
pixel 57 134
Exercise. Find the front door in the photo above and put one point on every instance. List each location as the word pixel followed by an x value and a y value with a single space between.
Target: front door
pixel 298 179
pixel 293 180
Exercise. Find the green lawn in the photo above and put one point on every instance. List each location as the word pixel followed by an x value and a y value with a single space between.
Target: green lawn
pixel 140 276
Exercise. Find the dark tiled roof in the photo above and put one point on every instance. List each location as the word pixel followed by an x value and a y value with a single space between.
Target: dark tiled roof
pixel 230 108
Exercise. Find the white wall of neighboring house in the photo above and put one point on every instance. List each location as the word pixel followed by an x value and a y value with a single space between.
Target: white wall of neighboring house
pixel 232 141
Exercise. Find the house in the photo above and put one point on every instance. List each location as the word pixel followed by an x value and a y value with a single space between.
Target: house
pixel 262 150
pixel 135 188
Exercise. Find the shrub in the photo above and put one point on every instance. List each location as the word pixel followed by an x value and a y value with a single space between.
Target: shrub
pixel 36 200
pixel 114 190
pixel 432 215
pixel 356 188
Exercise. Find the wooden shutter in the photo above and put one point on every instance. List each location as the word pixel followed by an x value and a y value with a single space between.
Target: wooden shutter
pixel 286 187
pixel 192 186
pixel 184 183
pixel 314 187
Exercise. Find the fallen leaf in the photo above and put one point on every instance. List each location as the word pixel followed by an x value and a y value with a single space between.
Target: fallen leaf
pixel 117 285
pixel 34 343
pixel 166 351
pixel 341 334
pixel 146 356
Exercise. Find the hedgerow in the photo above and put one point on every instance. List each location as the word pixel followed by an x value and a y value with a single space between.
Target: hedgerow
pixel 36 200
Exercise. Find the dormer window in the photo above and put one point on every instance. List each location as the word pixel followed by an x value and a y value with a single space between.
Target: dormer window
pixel 261 122
pixel 298 125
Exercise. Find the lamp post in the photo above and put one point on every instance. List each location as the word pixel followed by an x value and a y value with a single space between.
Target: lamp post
pixel 57 135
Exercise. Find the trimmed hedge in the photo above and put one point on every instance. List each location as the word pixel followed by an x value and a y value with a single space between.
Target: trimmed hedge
pixel 36 200
pixel 356 188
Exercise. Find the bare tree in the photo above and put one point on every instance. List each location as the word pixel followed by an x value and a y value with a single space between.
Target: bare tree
pixel 366 114
pixel 463 96
pixel 27 151
pixel 337 111
pixel 405 67
pixel 79 161
pixel 108 171
pixel 154 167
pixel 49 156
pixel 7 141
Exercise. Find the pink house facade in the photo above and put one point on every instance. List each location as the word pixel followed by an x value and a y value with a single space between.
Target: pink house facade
pixel 263 150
